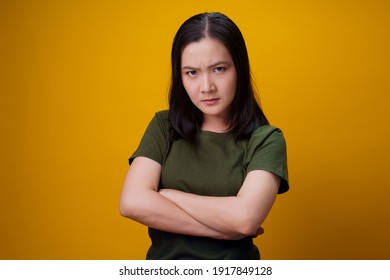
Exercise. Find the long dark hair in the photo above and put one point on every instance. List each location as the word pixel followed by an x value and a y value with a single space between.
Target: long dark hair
pixel 185 117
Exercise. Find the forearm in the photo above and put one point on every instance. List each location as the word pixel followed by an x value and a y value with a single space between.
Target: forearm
pixel 153 210
pixel 242 214
pixel 141 202
pixel 223 214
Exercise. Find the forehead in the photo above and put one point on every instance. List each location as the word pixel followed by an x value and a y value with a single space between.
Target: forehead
pixel 207 50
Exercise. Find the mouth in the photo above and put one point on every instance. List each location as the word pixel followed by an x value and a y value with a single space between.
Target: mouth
pixel 210 101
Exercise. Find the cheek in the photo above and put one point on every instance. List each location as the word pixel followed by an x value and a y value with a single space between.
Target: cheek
pixel 189 87
pixel 232 86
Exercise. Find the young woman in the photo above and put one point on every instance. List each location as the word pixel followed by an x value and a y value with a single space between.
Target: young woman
pixel 207 171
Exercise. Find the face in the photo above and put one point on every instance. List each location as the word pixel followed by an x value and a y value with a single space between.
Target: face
pixel 209 77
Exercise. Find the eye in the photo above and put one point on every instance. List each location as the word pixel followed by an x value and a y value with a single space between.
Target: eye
pixel 191 73
pixel 220 69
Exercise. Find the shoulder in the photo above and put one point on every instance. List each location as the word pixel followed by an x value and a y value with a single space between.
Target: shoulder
pixel 267 133
pixel 161 120
pixel 154 142
pixel 163 114
pixel 267 151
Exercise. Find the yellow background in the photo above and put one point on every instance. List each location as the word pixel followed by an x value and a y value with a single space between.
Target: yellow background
pixel 80 81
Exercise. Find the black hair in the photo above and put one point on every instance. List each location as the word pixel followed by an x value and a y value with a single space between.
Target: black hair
pixel 186 119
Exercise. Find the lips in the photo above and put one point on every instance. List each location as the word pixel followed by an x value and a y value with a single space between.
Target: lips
pixel 210 101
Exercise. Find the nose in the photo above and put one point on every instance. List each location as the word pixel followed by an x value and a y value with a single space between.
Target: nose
pixel 207 84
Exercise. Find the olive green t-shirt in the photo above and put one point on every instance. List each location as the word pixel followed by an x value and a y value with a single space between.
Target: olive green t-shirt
pixel 215 166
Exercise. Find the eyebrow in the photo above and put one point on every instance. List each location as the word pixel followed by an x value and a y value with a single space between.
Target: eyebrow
pixel 210 66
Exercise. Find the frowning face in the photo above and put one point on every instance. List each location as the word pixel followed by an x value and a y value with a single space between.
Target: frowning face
pixel 209 77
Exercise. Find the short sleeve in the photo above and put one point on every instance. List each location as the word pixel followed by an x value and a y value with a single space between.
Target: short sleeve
pixel 267 151
pixel 154 142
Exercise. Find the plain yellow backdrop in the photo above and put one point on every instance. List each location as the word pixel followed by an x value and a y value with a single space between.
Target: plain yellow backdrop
pixel 80 81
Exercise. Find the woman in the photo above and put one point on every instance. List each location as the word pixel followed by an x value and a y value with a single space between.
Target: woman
pixel 206 172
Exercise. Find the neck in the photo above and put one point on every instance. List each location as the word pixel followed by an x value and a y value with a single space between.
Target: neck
pixel 215 125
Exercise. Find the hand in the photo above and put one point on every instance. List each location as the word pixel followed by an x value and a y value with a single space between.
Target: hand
pixel 259 231
pixel 238 236
pixel 165 192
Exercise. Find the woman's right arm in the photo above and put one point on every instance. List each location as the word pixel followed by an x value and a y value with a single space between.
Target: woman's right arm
pixel 140 201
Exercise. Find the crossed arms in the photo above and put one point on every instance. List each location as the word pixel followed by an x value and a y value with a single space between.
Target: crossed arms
pixel 231 217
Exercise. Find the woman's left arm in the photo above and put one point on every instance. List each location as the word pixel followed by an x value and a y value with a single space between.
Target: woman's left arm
pixel 242 214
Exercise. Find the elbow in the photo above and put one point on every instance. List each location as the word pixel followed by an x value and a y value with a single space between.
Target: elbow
pixel 135 205
pixel 248 225
pixel 248 228
pixel 124 210
pixel 129 209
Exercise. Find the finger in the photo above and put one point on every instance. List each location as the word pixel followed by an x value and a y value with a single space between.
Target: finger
pixel 260 231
